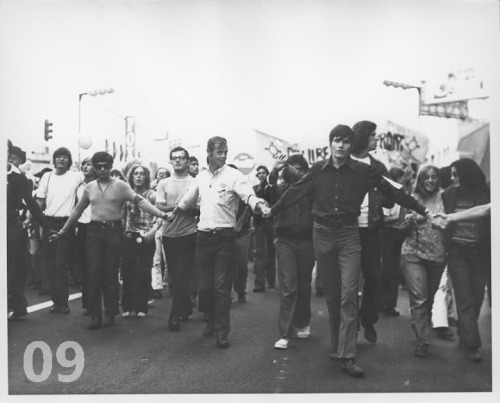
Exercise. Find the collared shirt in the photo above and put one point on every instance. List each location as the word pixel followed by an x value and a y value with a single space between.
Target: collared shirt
pixel 338 192
pixel 219 195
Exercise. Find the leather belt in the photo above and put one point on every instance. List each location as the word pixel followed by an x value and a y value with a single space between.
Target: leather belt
pixel 335 223
pixel 106 224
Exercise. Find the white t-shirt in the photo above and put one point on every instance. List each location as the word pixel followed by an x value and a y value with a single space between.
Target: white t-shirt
pixel 363 217
pixel 59 192
pixel 85 217
pixel 170 191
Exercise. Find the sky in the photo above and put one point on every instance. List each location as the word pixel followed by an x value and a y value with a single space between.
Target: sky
pixel 194 69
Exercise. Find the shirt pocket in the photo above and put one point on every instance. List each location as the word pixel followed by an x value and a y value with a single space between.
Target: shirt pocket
pixel 222 195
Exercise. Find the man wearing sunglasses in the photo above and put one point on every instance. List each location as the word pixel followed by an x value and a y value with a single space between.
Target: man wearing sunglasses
pixel 56 196
pixel 106 196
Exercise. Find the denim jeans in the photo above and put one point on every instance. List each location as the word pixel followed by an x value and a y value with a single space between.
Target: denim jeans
pixel 58 255
pixel 372 273
pixel 469 270
pixel 295 258
pixel 422 279
pixel 265 256
pixel 137 259
pixel 338 255
pixel 242 245
pixel 16 270
pixel 104 247
pixel 180 255
pixel 215 258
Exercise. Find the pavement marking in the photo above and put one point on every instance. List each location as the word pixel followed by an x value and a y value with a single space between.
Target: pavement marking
pixel 48 304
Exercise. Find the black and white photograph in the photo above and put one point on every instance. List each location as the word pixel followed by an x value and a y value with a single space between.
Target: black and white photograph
pixel 250 199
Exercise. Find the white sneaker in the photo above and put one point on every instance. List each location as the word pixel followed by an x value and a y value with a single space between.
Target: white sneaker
pixel 141 314
pixel 304 333
pixel 126 314
pixel 151 301
pixel 282 344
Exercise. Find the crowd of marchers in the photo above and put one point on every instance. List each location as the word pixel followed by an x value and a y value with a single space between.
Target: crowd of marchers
pixel 365 229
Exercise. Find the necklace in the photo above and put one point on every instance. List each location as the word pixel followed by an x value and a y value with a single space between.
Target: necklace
pixel 105 188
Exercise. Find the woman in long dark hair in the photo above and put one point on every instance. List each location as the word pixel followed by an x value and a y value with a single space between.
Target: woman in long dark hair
pixel 469 250
pixel 423 258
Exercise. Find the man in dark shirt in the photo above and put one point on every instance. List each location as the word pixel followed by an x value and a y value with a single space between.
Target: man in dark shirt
pixel 265 252
pixel 338 187
pixel 18 192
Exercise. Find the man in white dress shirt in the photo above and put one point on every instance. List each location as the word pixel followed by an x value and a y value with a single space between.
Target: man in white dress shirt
pixel 218 189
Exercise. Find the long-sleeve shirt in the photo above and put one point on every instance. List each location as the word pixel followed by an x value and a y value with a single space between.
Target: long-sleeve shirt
pixel 338 192
pixel 219 195
pixel 18 190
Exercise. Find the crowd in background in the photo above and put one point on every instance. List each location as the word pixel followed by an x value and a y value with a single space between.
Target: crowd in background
pixel 124 236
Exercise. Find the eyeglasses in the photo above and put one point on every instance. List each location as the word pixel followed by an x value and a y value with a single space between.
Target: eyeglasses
pixel 62 157
pixel 103 165
pixel 178 158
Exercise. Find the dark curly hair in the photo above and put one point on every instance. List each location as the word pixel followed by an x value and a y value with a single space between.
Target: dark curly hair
pixel 471 177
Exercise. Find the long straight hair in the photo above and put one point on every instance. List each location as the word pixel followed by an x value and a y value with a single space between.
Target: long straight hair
pixel 422 175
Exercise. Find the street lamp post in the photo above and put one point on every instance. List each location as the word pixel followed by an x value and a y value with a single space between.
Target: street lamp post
pixel 80 96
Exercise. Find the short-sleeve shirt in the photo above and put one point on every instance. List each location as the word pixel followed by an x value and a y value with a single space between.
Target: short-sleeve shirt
pixel 170 192
pixel 59 192
pixel 137 219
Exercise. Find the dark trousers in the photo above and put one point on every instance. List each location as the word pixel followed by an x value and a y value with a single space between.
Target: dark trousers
pixel 337 252
pixel 242 245
pixel 372 274
pixel 180 255
pixel 104 246
pixel 137 260
pixel 265 256
pixel 469 270
pixel 58 255
pixel 80 260
pixel 16 270
pixel 391 268
pixel 215 264
pixel 295 258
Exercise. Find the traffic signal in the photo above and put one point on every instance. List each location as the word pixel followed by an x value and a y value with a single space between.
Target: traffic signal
pixel 48 130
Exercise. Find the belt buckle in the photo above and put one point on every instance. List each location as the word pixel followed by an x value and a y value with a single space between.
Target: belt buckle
pixel 104 224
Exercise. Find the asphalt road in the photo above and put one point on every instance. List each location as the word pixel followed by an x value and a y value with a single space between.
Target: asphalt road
pixel 140 355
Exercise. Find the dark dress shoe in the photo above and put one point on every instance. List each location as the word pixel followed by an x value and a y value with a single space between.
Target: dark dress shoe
pixel 351 368
pixel 421 350
pixel 445 333
pixel 54 309
pixel 242 298
pixel 64 309
pixel 258 290
pixel 222 341
pixel 109 321
pixel 472 354
pixel 209 330
pixel 391 311
pixel 370 334
pixel 173 325
pixel 96 323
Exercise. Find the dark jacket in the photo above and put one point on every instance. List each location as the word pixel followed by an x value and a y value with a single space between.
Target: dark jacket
pixel 293 222
pixel 450 197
